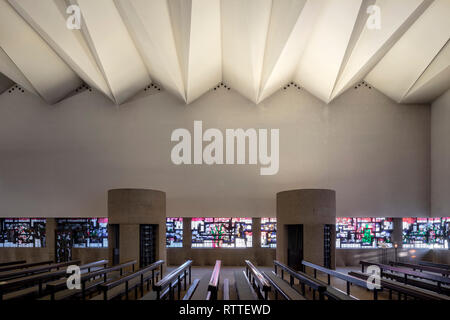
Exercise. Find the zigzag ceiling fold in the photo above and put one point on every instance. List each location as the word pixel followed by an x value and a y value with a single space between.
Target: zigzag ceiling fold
pixel 253 46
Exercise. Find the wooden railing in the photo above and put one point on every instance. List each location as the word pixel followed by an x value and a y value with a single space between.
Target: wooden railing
pixel 24 266
pixel 55 286
pixel 173 277
pixel 408 272
pixel 38 279
pixel 437 265
pixel 405 290
pixel 443 272
pixel 39 269
pixel 332 273
pixel 257 280
pixel 213 286
pixel 11 263
pixel 105 287
pixel 304 281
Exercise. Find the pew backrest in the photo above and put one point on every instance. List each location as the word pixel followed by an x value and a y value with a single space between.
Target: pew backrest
pixel 404 288
pixel 419 267
pixel 24 266
pixel 172 277
pixel 11 263
pixel 29 271
pixel 408 272
pixel 437 265
pixel 257 279
pixel 105 287
pixel 350 280
pixel 304 279
pixel 213 286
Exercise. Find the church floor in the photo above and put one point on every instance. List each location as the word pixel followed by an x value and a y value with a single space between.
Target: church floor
pixel 228 273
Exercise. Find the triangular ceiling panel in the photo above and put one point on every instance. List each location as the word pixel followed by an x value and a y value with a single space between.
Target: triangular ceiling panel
pixel 326 49
pixel 42 67
pixel 197 32
pixel 255 47
pixel 49 20
pixel 398 71
pixel 113 48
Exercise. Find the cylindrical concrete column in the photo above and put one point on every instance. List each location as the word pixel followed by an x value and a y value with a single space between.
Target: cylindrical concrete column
pixel 313 209
pixel 129 208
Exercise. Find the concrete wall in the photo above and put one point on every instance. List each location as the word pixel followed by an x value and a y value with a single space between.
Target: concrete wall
pixel 129 208
pixel 440 156
pixel 60 160
pixel 312 209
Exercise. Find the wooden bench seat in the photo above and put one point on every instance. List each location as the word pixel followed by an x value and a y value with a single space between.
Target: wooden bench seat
pixel 123 289
pixel 244 290
pixel 168 284
pixel 14 274
pixel 35 283
pixel 152 295
pixel 405 289
pixel 226 289
pixel 11 263
pixel 433 264
pixel 282 287
pixel 419 283
pixel 24 266
pixel 331 292
pixel 190 291
pixel 27 293
pixel 202 289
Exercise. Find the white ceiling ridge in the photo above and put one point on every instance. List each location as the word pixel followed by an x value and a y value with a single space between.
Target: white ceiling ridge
pixel 25 9
pixel 9 69
pixel 291 38
pixel 345 82
pixel 445 50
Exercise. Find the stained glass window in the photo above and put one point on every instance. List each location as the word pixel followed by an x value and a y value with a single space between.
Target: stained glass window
pixel 268 232
pixel 221 232
pixel 22 233
pixel 85 232
pixel 364 232
pixel 174 232
pixel 426 232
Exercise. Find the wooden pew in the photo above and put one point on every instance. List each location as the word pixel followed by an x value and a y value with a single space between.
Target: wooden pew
pixel 34 285
pixel 13 274
pixel 57 290
pixel 201 292
pixel 191 290
pixel 421 268
pixel 244 290
pixel 257 280
pixel 24 266
pixel 282 287
pixel 213 285
pixel 403 289
pixel 11 263
pixel 226 289
pixel 303 278
pixel 117 288
pixel 333 273
pixel 437 265
pixel 408 272
pixel 167 285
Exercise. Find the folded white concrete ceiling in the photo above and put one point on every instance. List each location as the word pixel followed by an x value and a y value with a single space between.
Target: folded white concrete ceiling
pixel 254 46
